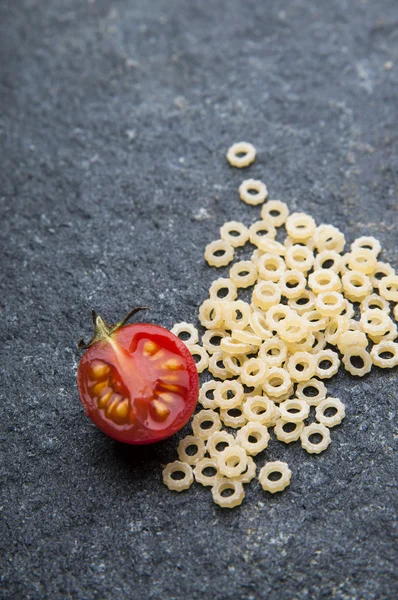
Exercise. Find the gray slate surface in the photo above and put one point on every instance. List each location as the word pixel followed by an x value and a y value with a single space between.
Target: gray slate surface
pixel 114 121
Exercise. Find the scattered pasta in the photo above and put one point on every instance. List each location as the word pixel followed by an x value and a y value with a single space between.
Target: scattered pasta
pixel 281 470
pixel 241 155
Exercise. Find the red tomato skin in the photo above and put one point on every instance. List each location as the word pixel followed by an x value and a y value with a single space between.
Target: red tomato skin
pixel 102 350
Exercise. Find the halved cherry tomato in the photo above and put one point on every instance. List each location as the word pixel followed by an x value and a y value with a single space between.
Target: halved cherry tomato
pixel 138 383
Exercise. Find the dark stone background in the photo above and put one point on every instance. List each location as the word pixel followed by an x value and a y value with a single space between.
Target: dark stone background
pixel 115 119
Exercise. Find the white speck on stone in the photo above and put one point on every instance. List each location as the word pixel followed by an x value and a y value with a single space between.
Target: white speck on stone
pixel 130 134
pixel 202 214
pixel 388 65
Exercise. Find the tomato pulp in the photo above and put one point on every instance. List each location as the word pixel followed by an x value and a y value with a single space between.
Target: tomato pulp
pixel 138 383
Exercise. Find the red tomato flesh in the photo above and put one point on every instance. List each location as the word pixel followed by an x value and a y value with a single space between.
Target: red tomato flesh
pixel 139 385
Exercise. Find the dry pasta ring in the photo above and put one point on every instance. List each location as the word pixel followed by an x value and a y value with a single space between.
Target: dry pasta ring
pixel 382 270
pixel 354 325
pixel 234 233
pixel 203 358
pixel 234 362
pixel 277 382
pixel 348 310
pixel 300 226
pixel 390 351
pixel 329 304
pixel 186 332
pixel 246 337
pixel 336 328
pixel 299 258
pixel 326 405
pixel 268 471
pixel 301 366
pixel 315 321
pixel 363 260
pixel 315 429
pixel 253 372
pixel 304 345
pixel 292 283
pixel 259 409
pixel 327 237
pixel 375 321
pixel 396 312
pixel 219 253
pixel 211 340
pixel 259 325
pixel 218 441
pixel 344 264
pixel 190 441
pixel 232 346
pixel 388 288
pixel 232 461
pixel 221 486
pixel 243 274
pixel 272 247
pixel 288 431
pixel 357 361
pixel 312 391
pixel 204 423
pixel 352 338
pixel 211 314
pixel 260 230
pixel 327 364
pixel 266 294
pixel 389 336
pixel 276 314
pixel 249 473
pixel 374 301
pixel 292 329
pixel 273 352
pixel 229 394
pixel 222 289
pixel 256 254
pixel 206 394
pixel 270 267
pixel 253 191
pixel 356 285
pixel 241 154
pixel 217 367
pixel 233 417
pixel 328 259
pixel 177 468
pixel 236 315
pixel 324 280
pixel 367 242
pixel 275 212
pixel 253 431
pixel 308 242
pixel 302 303
pixel 294 410
pixel 206 471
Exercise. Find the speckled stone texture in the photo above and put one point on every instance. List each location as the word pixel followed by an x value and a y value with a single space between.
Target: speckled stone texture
pixel 115 117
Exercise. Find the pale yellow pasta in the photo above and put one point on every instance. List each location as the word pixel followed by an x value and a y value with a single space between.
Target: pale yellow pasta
pixel 327 237
pixel 219 253
pixel 203 358
pixel 243 274
pixel 259 409
pixel 241 154
pixel 301 366
pixel 324 280
pixel 367 242
pixel 356 285
pixel 259 325
pixel 270 267
pixel 265 294
pixel 375 322
pixel 277 382
pixel 388 288
pixel 390 335
pixel 177 468
pixel 327 404
pixel 253 431
pixel 232 500
pixel 302 303
pixel 273 352
pixel 382 270
pixel 272 485
pixel 363 260
pixel 289 393
pixel 232 346
pixel 299 258
pixel 275 212
pixel 197 447
pixel 344 263
pixel 304 345
pixel 336 328
pixel 232 461
pixel 375 301
pixel 211 314
pixel 315 321
pixel 354 325
pixel 222 289
pixel 253 191
pixel 246 337
pixel 233 417
pixel 308 242
pixel 276 314
pixel 314 447
pixel 234 233
pixel 256 254
pixel 218 441
pixel 229 394
pixel 329 304
pixel 249 473
pixel 312 391
pixel 327 364
pixel 216 365
pixel 300 226
pixel 206 394
pixel 211 340
pixel 328 259
pixel 294 410
pixel 272 247
pixel 292 329
pixel 348 310
pixel 203 465
pixel 292 283
pixel 233 362
pixel 357 361
pixel 253 372
pixel 204 423
pixel 236 315
pixel 287 431
pixel 352 338
pixel 182 330
pixel 259 231
pixel 390 351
